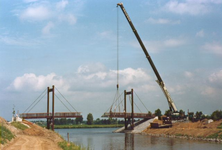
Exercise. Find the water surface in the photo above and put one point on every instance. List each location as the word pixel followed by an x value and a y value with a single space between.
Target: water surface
pixel 104 139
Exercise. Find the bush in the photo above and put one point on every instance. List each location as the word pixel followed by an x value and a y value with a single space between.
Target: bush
pixel 18 125
pixel 5 135
pixel 69 146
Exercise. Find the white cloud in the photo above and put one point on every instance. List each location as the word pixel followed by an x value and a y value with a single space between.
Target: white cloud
pixel 214 86
pixel 216 78
pixel 30 1
pixel 157 46
pixel 106 35
pixel 163 21
pixel 188 74
pixel 19 41
pixel 30 81
pixel 47 28
pixel 62 4
pixel 214 47
pixel 35 13
pixel 90 77
pixel 70 18
pixel 192 7
pixel 200 33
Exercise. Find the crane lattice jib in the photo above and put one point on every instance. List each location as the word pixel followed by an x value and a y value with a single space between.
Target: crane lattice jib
pixel 159 79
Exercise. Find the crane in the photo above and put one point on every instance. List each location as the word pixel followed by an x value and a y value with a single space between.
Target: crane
pixel 159 80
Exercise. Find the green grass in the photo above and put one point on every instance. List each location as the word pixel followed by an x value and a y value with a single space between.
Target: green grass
pixel 220 126
pixel 18 125
pixel 216 135
pixel 5 135
pixel 87 126
pixel 69 146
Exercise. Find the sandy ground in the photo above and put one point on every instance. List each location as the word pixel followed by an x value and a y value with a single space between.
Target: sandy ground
pixel 33 138
pixel 26 142
pixel 197 129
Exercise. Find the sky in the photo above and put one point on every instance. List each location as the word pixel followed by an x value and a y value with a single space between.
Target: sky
pixel 73 44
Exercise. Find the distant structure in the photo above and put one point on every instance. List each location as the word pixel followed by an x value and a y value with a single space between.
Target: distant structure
pixel 16 118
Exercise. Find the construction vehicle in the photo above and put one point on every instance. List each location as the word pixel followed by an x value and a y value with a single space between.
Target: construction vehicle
pixel 159 80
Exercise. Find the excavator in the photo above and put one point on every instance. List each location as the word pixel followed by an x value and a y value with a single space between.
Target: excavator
pixel 172 106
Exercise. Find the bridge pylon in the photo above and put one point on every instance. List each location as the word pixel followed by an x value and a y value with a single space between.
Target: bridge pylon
pixel 50 120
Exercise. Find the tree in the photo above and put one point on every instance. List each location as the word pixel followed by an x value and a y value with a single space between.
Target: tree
pixel 199 115
pixel 149 113
pixel 158 113
pixel 79 120
pixel 181 113
pixel 168 113
pixel 89 119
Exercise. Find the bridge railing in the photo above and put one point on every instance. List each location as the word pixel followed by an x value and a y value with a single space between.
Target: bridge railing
pixel 123 115
pixel 49 115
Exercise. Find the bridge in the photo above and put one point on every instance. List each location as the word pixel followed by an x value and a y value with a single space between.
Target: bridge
pixel 128 116
pixel 50 116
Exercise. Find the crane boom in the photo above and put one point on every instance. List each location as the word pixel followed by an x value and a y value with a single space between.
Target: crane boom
pixel 172 106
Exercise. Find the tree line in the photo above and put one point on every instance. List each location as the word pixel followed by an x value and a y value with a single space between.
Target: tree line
pixel 216 115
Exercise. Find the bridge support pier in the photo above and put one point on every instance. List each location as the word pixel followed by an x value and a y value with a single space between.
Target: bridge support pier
pixel 50 120
pixel 131 118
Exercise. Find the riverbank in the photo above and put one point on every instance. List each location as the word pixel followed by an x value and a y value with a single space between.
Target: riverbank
pixel 88 126
pixel 33 137
pixel 192 131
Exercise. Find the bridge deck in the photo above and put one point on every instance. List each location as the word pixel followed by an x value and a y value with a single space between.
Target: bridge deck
pixel 126 115
pixel 49 115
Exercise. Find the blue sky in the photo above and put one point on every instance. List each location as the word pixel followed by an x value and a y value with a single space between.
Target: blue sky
pixel 72 44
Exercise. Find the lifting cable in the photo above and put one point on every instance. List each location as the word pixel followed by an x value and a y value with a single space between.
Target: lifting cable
pixel 114 102
pixel 66 99
pixel 117 59
pixel 37 102
pixel 62 102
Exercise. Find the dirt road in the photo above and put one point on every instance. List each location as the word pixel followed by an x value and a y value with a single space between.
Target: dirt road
pixel 26 142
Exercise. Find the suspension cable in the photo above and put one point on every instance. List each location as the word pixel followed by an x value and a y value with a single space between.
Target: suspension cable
pixel 34 101
pixel 37 102
pixel 66 99
pixel 141 101
pixel 114 102
pixel 62 102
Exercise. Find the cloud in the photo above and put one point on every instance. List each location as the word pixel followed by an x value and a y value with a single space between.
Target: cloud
pixel 30 81
pixel 35 13
pixel 200 33
pixel 18 41
pixel 163 21
pixel 29 1
pixel 70 18
pixel 106 35
pixel 214 84
pixel 90 77
pixel 191 7
pixel 157 46
pixel 47 28
pixel 188 74
pixel 214 47
pixel 216 79
pixel 62 4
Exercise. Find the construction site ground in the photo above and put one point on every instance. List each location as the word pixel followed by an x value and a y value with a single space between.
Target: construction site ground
pixel 34 138
pixel 198 129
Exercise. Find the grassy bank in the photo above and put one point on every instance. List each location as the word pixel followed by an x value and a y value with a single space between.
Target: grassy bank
pixel 5 135
pixel 87 126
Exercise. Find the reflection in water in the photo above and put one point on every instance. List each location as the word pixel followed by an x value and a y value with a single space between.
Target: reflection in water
pixel 129 141
pixel 104 139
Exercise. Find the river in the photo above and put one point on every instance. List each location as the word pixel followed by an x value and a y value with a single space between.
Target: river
pixel 104 139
